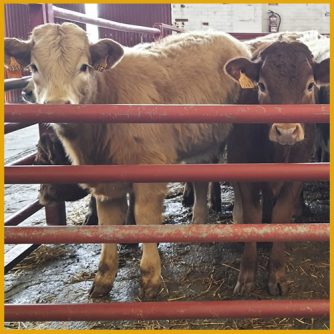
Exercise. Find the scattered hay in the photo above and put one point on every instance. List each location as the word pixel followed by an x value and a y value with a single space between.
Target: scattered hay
pixel 42 255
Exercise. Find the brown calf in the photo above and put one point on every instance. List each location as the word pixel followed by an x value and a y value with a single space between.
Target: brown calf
pixel 284 73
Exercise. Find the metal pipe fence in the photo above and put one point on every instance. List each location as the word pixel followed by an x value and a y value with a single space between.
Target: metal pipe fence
pixel 168 310
pixel 152 173
pixel 230 113
pixel 168 233
pixel 167 173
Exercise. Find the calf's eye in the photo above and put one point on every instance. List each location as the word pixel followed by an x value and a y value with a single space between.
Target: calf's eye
pixel 84 68
pixel 310 86
pixel 262 87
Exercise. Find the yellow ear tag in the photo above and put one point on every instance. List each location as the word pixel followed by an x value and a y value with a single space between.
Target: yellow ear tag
pixel 101 67
pixel 245 82
pixel 14 69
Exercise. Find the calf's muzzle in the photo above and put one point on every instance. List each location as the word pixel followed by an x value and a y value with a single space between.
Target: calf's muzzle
pixel 286 133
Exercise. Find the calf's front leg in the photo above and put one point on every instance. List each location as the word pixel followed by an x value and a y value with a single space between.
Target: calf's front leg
pixel 282 213
pixel 110 212
pixel 148 211
pixel 247 211
pixel 200 208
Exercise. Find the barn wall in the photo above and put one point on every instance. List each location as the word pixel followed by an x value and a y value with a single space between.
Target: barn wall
pixel 138 14
pixel 300 16
pixel 250 18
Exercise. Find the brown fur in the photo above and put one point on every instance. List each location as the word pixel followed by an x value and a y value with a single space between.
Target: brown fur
pixel 286 70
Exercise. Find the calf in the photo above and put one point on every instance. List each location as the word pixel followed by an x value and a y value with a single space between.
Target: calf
pixel 284 73
pixel 50 151
pixel 185 68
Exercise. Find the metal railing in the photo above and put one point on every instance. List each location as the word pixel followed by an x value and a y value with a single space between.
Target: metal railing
pixel 233 233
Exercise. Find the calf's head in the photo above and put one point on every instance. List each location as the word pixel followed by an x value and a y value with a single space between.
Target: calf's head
pixel 283 73
pixel 62 61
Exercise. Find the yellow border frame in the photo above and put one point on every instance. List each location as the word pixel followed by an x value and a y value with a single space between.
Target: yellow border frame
pixel 2 18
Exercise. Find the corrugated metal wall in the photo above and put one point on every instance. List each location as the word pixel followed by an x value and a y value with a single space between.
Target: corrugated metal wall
pixel 17 24
pixel 143 15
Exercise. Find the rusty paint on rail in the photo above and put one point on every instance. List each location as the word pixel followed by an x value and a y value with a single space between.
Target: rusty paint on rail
pixel 168 233
pixel 95 113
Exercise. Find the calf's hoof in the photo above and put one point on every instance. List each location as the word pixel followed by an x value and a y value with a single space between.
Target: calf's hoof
pixel 245 283
pixel 278 285
pixel 243 288
pixel 149 292
pixel 99 290
pixel 150 287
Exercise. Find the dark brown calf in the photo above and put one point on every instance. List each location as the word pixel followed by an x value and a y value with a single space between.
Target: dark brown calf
pixel 284 73
pixel 50 151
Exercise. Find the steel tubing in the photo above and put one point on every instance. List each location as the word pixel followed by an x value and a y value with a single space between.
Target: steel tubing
pixel 66 14
pixel 167 173
pixel 168 310
pixel 23 214
pixel 97 113
pixel 167 233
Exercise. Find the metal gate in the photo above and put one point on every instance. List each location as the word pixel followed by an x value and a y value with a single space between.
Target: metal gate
pixel 20 116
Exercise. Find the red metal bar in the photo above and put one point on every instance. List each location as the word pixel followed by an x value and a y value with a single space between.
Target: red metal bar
pixel 167 233
pixel 95 113
pixel 26 160
pixel 11 127
pixel 66 14
pixel 168 173
pixel 19 216
pixel 168 310
pixel 250 35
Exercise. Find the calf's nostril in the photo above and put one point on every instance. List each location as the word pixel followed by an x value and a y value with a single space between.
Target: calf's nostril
pixel 277 130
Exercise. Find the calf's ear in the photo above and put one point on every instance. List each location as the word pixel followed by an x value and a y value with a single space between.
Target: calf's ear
pixel 19 50
pixel 243 70
pixel 321 72
pixel 105 54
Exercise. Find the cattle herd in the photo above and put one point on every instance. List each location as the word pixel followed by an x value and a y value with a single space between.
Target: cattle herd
pixel 188 68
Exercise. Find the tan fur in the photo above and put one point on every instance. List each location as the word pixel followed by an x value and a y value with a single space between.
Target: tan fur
pixel 181 69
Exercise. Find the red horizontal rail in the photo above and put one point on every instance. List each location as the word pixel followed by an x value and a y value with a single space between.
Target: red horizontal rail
pixel 19 216
pixel 168 173
pixel 95 113
pixel 168 310
pixel 167 233
pixel 66 14
pixel 248 35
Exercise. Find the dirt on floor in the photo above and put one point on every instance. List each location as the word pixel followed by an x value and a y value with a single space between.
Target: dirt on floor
pixel 64 273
